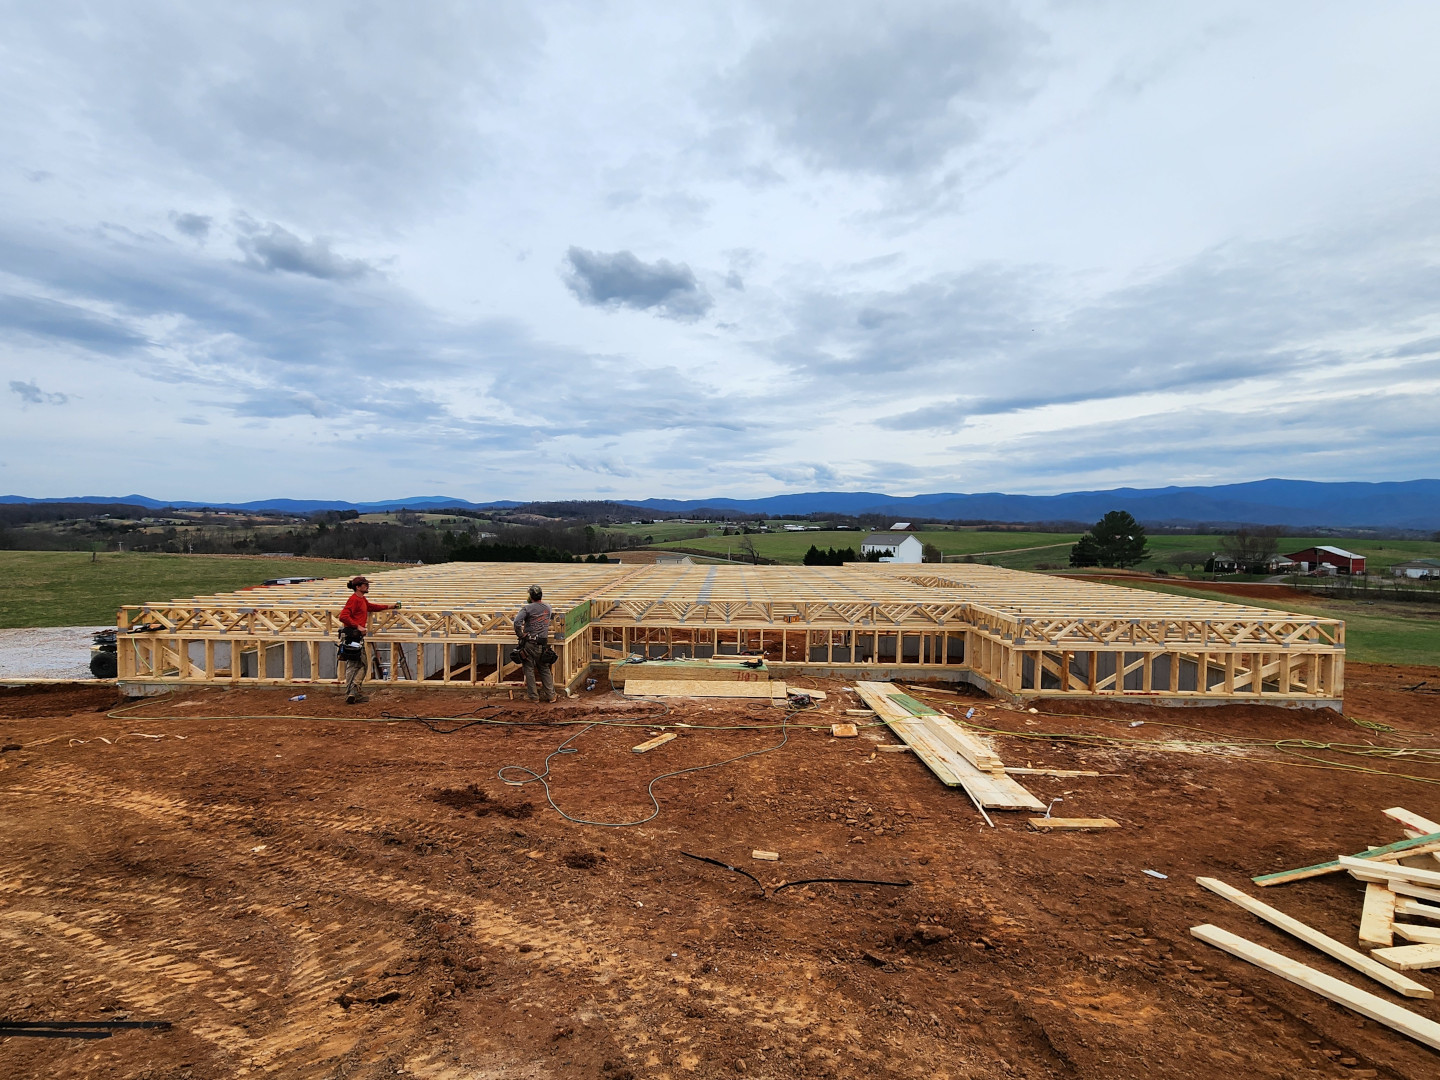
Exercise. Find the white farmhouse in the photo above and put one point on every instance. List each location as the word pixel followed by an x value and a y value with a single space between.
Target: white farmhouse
pixel 897 546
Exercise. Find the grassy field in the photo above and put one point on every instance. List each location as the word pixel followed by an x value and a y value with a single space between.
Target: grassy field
pixel 1375 633
pixel 791 547
pixel 1034 550
pixel 64 588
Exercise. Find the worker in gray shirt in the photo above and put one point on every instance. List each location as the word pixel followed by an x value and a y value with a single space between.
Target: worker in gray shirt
pixel 532 627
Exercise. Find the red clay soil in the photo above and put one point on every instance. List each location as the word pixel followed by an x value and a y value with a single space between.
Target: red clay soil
pixel 303 894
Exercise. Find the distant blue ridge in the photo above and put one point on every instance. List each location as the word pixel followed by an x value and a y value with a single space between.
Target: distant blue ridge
pixel 1409 504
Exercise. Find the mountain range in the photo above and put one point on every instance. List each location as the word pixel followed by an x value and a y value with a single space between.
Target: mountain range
pixel 1410 504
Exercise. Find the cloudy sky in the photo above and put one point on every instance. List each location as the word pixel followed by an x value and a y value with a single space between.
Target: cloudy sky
pixel 512 250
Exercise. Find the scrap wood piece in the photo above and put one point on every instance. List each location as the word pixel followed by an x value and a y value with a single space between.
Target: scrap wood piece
pixel 1421 825
pixel 1363 869
pixel 1314 938
pixel 1420 892
pixel 1409 957
pixel 1419 1028
pixel 1072 823
pixel 1377 918
pixel 1414 908
pixel 844 731
pixel 1017 771
pixel 704 689
pixel 894 748
pixel 651 744
pixel 765 856
pixel 1421 935
pixel 1417 846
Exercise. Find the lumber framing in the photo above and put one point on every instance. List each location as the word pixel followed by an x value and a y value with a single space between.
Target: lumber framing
pixel 1017 635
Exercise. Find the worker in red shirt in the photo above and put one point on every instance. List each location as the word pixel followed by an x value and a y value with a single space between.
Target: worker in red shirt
pixel 354 618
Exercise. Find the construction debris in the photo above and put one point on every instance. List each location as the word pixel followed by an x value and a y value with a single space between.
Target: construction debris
pixel 765 856
pixel 1326 944
pixel 1420 845
pixel 1365 1003
pixel 1072 824
pixel 651 744
pixel 1410 957
pixel 844 731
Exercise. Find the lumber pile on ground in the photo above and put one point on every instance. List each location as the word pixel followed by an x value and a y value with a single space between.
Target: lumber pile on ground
pixel 958 758
pixel 715 669
pixel 1398 879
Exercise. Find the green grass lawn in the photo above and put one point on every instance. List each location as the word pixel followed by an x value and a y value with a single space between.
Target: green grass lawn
pixel 64 588
pixel 1374 633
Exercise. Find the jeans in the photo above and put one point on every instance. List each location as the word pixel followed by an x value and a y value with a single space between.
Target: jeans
pixel 530 652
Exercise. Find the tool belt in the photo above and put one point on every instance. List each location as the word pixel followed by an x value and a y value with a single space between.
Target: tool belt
pixel 352 643
pixel 542 642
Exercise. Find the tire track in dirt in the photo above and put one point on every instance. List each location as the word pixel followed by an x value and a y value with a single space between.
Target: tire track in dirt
pixel 629 996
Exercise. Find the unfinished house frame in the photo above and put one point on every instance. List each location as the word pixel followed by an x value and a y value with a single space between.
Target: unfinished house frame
pixel 1016 635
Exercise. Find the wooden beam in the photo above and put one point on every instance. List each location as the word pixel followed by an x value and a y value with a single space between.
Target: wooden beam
pixel 1072 824
pixel 1417 846
pixel 1410 957
pixel 1364 869
pixel 1419 1028
pixel 1314 938
pixel 1377 918
pixel 651 744
pixel 1423 935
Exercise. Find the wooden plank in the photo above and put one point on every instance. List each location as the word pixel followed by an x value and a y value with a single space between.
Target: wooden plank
pixel 1415 909
pixel 1419 1028
pixel 765 856
pixel 844 731
pixel 651 744
pixel 912 706
pixel 1366 870
pixel 1062 824
pixel 1314 938
pixel 1424 935
pixel 991 792
pixel 1377 917
pixel 1420 892
pixel 942 727
pixel 1429 842
pixel 1409 957
pixel 1018 771
pixel 1420 824
pixel 699 689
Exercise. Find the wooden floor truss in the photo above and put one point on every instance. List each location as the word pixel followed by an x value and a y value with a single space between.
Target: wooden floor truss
pixel 1017 635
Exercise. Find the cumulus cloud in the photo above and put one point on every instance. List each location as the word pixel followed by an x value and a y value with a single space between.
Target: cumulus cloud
pixel 274 248
pixel 888 93
pixel 31 394
pixel 619 279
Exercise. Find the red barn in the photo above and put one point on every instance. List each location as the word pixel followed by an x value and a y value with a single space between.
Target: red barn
pixel 1316 558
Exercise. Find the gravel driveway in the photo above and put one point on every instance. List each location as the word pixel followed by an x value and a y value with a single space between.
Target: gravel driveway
pixel 46 652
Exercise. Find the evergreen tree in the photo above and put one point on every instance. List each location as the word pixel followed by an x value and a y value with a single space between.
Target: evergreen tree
pixel 1121 539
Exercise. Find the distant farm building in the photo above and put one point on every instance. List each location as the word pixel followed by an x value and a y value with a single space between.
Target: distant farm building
pixel 897 547
pixel 1417 568
pixel 1329 560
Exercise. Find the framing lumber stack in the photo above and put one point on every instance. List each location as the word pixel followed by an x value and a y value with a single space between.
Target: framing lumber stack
pixel 1015 635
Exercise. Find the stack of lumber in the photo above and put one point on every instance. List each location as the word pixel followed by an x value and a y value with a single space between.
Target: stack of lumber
pixel 717 678
pixel 958 758
pixel 1399 878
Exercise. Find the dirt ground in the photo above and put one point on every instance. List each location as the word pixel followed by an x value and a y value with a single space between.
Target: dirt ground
pixel 303 894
